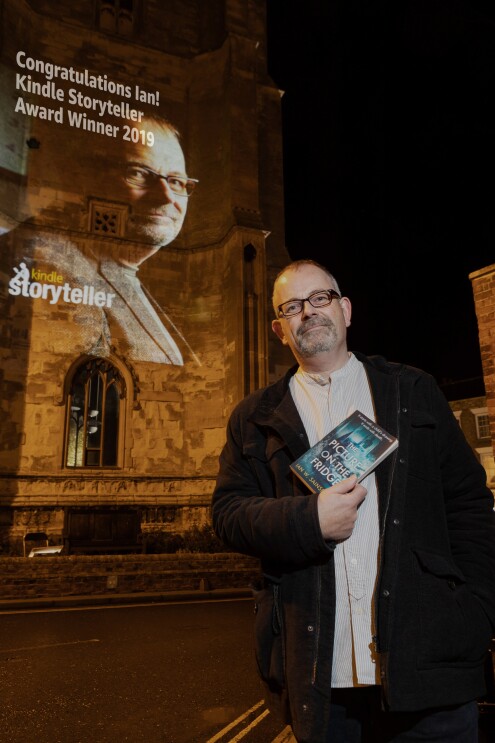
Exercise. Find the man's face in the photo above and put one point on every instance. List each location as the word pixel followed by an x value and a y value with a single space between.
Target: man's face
pixel 314 331
pixel 157 212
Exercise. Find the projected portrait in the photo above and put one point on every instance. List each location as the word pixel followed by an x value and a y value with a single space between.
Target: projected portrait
pixel 112 198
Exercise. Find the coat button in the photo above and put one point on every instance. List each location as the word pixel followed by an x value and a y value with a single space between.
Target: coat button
pixel 402 460
pixel 403 410
pixel 305 707
pixel 386 593
pixel 310 628
pixel 451 584
pixel 396 522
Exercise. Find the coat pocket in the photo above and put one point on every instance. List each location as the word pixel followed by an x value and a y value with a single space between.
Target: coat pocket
pixel 423 460
pixel 269 641
pixel 454 629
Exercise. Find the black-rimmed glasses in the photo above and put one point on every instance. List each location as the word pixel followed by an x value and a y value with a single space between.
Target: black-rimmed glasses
pixel 141 177
pixel 316 299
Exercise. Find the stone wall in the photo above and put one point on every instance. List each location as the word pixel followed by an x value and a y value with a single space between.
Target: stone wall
pixel 85 575
pixel 205 64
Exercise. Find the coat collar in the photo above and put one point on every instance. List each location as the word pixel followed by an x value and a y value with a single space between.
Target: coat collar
pixel 276 408
pixel 277 411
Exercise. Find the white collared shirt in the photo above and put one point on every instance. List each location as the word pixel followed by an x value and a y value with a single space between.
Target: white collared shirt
pixel 322 405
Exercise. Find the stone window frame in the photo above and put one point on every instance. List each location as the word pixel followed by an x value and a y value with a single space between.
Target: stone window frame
pixel 83 372
pixel 482 422
pixel 118 17
pixel 107 218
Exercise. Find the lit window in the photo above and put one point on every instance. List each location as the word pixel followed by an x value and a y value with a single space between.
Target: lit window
pixel 93 414
pixel 483 426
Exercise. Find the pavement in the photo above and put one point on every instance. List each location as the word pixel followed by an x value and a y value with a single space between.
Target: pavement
pixel 122 599
pixel 106 599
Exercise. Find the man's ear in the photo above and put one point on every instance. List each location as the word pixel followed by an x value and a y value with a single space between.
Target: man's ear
pixel 345 304
pixel 277 329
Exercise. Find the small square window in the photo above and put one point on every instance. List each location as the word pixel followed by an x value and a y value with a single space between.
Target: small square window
pixel 483 426
pixel 107 219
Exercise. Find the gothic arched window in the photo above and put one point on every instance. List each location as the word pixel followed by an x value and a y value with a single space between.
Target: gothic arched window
pixel 93 415
pixel 117 16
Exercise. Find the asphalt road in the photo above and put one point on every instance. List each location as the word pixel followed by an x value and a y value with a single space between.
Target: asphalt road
pixel 169 673
pixel 178 672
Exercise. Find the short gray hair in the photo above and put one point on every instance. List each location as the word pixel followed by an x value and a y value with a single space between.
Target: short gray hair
pixel 294 266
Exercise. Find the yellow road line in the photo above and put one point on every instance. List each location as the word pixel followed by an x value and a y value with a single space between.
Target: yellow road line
pixel 233 724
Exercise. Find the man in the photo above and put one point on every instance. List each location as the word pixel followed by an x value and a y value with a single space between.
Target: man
pixel 109 310
pixel 378 599
pixel 152 181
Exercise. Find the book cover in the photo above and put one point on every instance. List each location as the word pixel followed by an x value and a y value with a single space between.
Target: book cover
pixel 354 447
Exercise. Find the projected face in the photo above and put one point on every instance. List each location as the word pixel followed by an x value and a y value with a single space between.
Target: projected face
pixel 154 183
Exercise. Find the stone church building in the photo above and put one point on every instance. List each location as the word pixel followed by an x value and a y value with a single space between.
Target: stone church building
pixel 131 328
pixel 141 228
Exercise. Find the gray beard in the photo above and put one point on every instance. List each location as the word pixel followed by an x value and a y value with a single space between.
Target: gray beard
pixel 320 341
pixel 143 230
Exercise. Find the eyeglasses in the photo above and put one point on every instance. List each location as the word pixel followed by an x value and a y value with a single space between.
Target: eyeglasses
pixel 316 299
pixel 142 177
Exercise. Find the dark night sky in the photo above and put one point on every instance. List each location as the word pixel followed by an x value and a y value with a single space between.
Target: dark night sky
pixel 389 144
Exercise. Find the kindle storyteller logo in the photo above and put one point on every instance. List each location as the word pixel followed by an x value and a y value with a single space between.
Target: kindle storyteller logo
pixel 51 287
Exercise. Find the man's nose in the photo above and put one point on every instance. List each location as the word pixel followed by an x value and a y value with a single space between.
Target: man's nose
pixel 307 308
pixel 164 190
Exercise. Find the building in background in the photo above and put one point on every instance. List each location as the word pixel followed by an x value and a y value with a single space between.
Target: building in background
pixel 122 349
pixel 483 283
pixel 472 416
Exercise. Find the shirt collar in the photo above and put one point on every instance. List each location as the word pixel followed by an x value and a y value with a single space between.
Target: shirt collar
pixel 321 379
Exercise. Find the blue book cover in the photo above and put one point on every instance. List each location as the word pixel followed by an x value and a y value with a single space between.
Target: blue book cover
pixel 354 447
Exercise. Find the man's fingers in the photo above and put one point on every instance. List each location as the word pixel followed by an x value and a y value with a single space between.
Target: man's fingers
pixel 348 486
pixel 345 485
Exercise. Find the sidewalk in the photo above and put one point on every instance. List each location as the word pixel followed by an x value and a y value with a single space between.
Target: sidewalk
pixel 107 599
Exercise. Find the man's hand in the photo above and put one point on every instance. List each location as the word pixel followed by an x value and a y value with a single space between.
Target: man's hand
pixel 338 508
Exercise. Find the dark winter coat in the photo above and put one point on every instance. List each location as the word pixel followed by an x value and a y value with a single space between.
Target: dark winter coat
pixel 435 596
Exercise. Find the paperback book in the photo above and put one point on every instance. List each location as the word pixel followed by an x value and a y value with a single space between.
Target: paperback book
pixel 354 447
